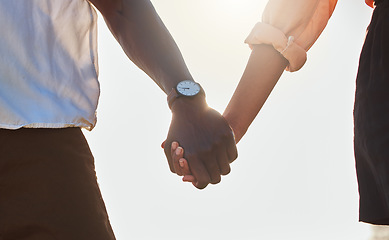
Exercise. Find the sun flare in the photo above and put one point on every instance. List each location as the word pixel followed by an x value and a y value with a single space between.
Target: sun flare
pixel 235 7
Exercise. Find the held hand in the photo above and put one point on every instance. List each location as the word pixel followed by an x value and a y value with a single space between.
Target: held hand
pixel 178 156
pixel 207 139
pixel 177 153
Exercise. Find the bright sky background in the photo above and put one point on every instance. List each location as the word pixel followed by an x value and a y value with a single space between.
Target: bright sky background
pixel 294 178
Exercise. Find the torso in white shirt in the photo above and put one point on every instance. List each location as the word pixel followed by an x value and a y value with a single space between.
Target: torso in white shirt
pixel 48 64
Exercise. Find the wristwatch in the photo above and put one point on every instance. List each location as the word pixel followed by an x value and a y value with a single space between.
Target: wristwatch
pixel 186 88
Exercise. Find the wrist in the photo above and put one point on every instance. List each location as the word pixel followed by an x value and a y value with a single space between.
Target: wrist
pixel 236 126
pixel 186 92
pixel 192 103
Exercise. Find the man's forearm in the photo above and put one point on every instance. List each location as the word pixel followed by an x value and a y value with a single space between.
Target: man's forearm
pixel 262 72
pixel 145 39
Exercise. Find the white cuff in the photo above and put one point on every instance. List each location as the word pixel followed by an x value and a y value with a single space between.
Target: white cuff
pixel 264 33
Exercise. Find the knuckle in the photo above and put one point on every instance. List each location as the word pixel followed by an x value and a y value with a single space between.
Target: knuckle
pixel 216 180
pixel 233 157
pixel 201 186
pixel 202 182
pixel 226 171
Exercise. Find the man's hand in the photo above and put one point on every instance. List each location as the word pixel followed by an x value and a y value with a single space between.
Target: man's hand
pixel 206 137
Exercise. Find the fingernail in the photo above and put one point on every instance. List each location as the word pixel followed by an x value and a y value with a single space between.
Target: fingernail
pixel 178 150
pixel 174 145
pixel 181 162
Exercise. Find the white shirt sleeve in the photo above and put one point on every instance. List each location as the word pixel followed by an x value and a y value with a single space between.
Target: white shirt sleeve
pixel 292 27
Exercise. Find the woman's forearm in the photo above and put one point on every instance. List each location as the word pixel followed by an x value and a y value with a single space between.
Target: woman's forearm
pixel 262 72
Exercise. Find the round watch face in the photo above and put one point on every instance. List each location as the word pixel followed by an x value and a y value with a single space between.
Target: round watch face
pixel 188 88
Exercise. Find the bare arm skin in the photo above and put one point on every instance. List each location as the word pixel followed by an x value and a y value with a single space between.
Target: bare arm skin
pixel 203 132
pixel 145 39
pixel 262 72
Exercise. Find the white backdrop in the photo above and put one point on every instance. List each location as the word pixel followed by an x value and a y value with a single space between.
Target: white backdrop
pixel 294 178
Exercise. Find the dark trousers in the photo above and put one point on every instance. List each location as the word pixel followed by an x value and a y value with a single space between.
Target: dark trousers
pixel 371 119
pixel 48 187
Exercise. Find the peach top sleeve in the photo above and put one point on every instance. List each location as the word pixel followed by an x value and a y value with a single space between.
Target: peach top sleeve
pixel 292 27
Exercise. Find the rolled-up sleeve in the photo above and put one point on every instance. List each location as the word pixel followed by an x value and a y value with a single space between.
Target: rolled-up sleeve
pixel 292 27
